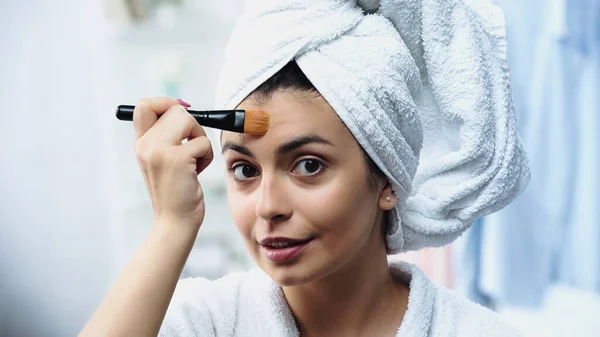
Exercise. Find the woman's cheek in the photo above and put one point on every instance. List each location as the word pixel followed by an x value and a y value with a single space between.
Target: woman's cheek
pixel 242 212
pixel 325 207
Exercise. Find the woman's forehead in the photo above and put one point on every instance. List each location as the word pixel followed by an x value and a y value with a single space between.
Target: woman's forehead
pixel 291 115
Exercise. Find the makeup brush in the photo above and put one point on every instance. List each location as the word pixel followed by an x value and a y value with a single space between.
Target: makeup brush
pixel 254 122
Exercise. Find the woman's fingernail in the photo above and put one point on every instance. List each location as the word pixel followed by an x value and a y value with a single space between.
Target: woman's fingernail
pixel 184 103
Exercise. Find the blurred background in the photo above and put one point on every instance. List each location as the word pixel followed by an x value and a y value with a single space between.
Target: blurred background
pixel 74 207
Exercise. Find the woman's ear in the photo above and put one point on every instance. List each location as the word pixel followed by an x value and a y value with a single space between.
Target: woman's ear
pixel 387 198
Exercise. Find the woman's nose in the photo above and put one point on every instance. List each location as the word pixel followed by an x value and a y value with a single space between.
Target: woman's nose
pixel 272 204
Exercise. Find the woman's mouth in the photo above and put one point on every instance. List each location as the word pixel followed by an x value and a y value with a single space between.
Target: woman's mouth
pixel 283 249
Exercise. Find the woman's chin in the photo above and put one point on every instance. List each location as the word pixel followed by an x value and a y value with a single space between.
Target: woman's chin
pixel 291 274
pixel 288 277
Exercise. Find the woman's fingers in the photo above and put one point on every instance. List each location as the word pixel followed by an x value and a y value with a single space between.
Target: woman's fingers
pixel 199 148
pixel 147 111
pixel 175 125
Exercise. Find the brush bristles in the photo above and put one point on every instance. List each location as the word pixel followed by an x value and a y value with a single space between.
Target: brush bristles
pixel 256 122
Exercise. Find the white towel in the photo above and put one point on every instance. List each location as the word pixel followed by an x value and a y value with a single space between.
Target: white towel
pixel 423 85
pixel 252 304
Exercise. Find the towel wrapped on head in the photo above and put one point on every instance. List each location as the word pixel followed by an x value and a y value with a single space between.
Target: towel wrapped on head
pixel 423 86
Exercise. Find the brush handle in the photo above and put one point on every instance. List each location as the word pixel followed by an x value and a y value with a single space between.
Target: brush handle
pixel 230 120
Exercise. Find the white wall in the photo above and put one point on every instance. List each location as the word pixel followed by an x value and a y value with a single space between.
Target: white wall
pixel 73 206
pixel 54 239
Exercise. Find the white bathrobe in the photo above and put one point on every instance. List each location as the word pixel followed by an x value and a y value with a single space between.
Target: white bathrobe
pixel 252 304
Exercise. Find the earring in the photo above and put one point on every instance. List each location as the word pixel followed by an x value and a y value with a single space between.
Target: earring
pixel 388 198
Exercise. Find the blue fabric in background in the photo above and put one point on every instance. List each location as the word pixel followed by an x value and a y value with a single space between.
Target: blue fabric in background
pixel 579 258
pixel 551 233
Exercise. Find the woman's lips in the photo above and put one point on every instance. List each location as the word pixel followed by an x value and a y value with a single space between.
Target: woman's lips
pixel 284 253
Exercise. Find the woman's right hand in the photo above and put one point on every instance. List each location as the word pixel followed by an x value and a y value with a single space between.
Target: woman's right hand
pixel 170 167
pixel 171 171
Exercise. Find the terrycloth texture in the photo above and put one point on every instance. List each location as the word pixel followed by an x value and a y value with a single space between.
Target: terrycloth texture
pixel 418 80
pixel 251 304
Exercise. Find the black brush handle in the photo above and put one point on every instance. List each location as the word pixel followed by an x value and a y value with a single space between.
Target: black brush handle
pixel 230 120
pixel 125 112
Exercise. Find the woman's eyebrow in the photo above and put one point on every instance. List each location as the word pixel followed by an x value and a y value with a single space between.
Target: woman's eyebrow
pixel 238 148
pixel 299 142
pixel 283 149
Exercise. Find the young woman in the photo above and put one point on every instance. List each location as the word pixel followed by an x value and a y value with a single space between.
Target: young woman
pixel 319 203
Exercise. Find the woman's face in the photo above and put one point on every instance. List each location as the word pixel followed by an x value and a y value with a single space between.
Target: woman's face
pixel 300 195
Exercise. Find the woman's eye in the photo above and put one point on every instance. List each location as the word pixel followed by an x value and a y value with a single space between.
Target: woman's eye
pixel 243 172
pixel 308 167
